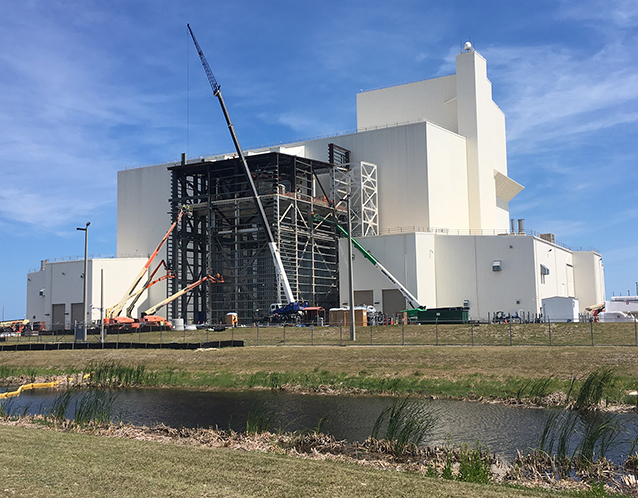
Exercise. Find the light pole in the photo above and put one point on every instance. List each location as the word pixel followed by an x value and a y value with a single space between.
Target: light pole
pixel 86 248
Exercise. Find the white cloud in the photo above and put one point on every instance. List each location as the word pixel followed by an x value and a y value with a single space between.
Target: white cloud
pixel 71 118
pixel 562 95
pixel 621 13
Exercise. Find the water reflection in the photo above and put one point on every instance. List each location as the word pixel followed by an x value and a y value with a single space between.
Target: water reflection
pixel 504 429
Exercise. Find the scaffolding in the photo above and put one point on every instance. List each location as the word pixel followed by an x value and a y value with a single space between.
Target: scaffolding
pixel 223 236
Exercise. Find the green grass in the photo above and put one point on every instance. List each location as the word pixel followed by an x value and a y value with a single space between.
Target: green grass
pixel 41 463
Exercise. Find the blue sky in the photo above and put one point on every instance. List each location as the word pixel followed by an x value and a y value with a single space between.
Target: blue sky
pixel 90 87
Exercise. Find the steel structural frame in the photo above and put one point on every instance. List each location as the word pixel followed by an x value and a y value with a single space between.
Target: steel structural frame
pixel 224 236
pixel 360 181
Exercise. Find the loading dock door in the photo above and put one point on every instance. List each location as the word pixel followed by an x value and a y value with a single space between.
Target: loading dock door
pixel 393 302
pixel 77 310
pixel 363 298
pixel 57 320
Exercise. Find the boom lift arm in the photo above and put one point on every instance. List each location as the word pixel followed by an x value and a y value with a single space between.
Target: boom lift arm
pixel 149 283
pixel 274 250
pixel 152 310
pixel 406 293
pixel 115 311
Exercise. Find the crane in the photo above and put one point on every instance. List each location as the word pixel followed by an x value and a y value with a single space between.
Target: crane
pixel 212 279
pixel 413 301
pixel 282 278
pixel 114 311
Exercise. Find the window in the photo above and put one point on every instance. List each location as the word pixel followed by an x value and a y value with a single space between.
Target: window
pixel 544 271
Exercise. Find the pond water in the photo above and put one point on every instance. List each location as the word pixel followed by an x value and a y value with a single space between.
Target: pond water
pixel 504 429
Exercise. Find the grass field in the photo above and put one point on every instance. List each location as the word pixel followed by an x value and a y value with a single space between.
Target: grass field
pixel 532 334
pixel 41 463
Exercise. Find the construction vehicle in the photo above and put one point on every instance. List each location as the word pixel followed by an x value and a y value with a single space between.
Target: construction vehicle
pixel 282 278
pixel 290 313
pixel 148 317
pixel 14 327
pixel 112 314
pixel 412 301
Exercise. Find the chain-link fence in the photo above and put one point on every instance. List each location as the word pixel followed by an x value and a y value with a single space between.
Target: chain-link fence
pixel 436 334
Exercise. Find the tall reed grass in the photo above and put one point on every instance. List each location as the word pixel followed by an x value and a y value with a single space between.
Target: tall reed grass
pixel 92 406
pixel 60 405
pixel 596 386
pixel 113 374
pixel 6 408
pixel 574 440
pixel 260 419
pixel 407 422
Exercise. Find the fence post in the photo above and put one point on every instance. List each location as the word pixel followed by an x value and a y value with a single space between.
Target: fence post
pixel 549 324
pixel 591 328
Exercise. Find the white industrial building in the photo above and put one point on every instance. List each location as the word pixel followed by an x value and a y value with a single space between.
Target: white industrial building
pixel 427 169
pixel 55 291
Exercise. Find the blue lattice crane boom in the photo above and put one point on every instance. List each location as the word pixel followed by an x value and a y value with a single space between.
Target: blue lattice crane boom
pixel 272 245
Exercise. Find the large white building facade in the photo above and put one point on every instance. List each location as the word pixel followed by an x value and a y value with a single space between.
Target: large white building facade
pixel 427 174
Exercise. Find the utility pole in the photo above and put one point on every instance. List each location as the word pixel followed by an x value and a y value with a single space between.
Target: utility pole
pixel 82 336
pixel 353 335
